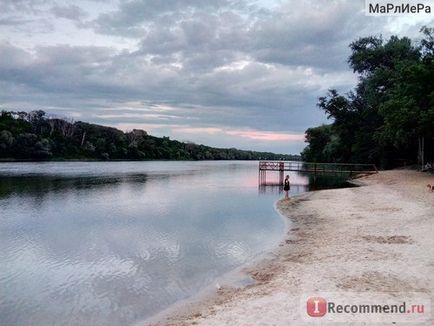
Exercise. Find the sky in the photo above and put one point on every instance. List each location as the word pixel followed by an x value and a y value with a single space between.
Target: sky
pixel 224 73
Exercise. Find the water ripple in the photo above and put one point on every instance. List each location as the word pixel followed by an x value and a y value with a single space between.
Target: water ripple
pixel 92 244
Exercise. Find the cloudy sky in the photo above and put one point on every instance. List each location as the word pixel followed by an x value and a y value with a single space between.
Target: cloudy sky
pixel 224 73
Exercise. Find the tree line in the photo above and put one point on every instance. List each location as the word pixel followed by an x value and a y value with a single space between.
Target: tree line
pixel 35 136
pixel 388 119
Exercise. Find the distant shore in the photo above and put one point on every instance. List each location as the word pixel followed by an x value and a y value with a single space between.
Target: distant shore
pixel 371 239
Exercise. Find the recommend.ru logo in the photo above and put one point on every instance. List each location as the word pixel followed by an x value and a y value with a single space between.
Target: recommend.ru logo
pixel 316 307
pixel 366 307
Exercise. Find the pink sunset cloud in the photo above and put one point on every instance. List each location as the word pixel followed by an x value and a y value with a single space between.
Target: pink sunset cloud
pixel 250 134
pixel 267 135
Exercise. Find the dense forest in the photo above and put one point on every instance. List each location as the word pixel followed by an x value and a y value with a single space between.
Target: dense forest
pixel 388 119
pixel 35 136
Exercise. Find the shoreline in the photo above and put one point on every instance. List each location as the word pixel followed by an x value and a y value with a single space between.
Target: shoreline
pixel 355 251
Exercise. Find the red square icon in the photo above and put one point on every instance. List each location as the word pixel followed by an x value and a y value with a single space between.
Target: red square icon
pixel 316 306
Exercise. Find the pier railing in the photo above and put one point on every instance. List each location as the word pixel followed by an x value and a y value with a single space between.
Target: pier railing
pixel 350 169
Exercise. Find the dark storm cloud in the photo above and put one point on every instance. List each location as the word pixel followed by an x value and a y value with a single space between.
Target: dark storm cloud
pixel 201 41
pixel 23 6
pixel 132 17
pixel 316 38
pixel 51 69
pixel 14 21
pixel 24 16
pixel 71 12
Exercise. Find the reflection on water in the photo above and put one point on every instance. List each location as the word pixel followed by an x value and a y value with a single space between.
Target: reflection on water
pixel 108 243
pixel 38 186
pixel 329 181
pixel 278 189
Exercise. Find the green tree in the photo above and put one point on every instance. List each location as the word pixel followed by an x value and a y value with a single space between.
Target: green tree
pixel 389 115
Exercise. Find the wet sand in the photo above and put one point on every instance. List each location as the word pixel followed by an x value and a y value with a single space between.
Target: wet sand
pixel 374 238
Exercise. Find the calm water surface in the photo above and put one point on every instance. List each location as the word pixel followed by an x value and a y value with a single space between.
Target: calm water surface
pixel 112 243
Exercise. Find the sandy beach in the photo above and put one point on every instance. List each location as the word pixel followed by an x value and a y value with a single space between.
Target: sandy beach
pixel 377 238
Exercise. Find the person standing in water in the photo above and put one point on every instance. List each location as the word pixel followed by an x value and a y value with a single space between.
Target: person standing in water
pixel 286 186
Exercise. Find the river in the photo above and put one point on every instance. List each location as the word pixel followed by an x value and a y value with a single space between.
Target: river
pixel 111 243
